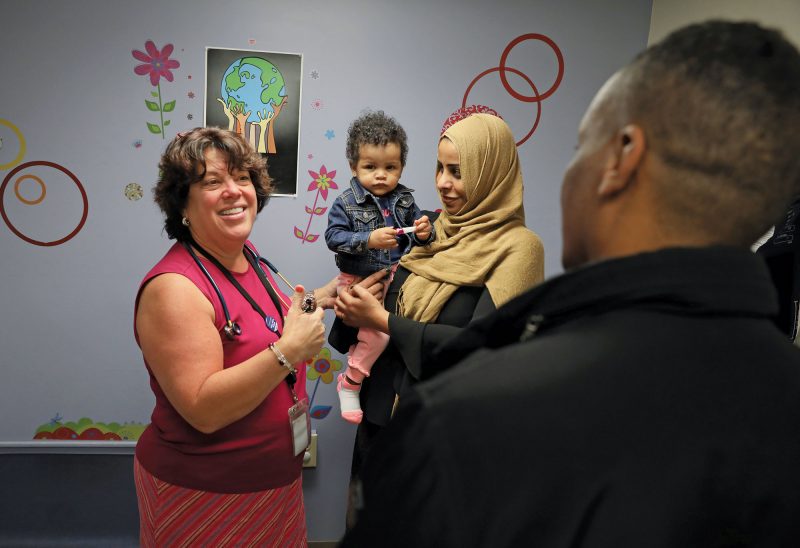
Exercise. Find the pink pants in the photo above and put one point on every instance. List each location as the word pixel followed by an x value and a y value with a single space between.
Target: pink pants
pixel 362 355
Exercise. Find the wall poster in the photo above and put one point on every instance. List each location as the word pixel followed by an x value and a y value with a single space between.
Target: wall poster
pixel 257 94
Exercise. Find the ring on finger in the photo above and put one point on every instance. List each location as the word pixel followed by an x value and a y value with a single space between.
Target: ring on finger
pixel 309 303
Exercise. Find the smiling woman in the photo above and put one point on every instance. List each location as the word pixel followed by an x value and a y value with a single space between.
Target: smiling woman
pixel 219 340
pixel 221 207
pixel 483 255
pixel 448 177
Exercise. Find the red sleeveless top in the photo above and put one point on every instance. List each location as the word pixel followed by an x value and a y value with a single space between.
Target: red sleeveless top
pixel 251 454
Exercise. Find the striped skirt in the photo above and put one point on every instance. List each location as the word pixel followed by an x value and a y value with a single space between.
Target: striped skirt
pixel 170 515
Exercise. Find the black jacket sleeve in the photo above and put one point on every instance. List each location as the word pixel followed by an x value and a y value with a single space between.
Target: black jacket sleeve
pixel 416 341
pixel 341 336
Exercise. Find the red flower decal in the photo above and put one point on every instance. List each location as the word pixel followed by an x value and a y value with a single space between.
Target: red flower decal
pixel 155 63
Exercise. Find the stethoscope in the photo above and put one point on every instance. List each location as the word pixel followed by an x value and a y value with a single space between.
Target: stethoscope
pixel 232 329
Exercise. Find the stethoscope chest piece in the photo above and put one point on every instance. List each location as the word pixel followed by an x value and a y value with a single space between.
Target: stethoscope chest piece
pixel 232 330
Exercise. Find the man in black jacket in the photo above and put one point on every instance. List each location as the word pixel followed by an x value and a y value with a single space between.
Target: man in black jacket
pixel 644 398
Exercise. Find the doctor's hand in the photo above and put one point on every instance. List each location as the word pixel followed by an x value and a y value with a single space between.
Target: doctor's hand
pixel 303 332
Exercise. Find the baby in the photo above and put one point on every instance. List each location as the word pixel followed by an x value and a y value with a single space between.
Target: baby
pixel 370 226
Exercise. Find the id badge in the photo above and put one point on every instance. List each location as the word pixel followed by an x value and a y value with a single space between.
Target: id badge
pixel 300 424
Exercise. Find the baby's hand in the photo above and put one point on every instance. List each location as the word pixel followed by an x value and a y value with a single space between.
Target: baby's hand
pixel 423 225
pixel 382 238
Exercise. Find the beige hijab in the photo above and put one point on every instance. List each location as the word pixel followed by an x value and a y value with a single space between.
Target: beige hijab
pixel 486 243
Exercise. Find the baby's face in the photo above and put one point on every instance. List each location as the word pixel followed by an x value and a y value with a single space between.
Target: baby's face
pixel 378 168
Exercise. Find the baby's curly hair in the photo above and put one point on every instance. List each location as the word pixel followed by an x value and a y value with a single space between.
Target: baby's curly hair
pixel 183 164
pixel 378 129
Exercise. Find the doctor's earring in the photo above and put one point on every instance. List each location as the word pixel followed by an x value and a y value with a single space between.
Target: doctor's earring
pixel 185 221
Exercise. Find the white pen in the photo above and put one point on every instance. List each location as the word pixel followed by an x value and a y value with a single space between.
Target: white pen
pixel 406 230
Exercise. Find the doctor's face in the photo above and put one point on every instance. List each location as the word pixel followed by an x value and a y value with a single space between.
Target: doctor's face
pixel 222 206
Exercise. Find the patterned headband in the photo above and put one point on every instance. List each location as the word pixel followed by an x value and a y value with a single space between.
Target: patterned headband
pixel 464 112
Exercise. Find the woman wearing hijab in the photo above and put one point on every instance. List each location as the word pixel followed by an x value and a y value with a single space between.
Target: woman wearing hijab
pixel 483 256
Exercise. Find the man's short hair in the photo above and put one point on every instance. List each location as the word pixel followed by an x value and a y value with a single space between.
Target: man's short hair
pixel 719 103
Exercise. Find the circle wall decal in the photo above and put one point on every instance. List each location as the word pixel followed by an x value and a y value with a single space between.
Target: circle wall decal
pixel 18 158
pixel 503 69
pixel 42 190
pixel 72 177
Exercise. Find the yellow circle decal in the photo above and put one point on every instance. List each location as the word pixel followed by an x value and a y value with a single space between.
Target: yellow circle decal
pixel 21 138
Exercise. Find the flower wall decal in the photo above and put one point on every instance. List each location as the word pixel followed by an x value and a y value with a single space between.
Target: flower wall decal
pixel 321 182
pixel 88 429
pixel 321 368
pixel 156 64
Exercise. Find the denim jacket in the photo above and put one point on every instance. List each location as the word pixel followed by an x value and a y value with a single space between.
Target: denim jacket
pixel 354 214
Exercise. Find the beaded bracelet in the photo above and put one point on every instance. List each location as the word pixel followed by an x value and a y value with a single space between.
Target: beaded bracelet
pixel 282 359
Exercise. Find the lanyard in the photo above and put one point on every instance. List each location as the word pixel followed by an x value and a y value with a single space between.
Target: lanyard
pixel 291 378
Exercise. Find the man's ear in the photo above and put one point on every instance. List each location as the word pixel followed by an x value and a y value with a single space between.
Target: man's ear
pixel 626 156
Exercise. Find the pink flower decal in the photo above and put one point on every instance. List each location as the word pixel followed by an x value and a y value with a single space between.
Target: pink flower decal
pixel 321 183
pixel 155 63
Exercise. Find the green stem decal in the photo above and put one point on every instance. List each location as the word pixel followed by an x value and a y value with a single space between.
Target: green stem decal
pixel 161 111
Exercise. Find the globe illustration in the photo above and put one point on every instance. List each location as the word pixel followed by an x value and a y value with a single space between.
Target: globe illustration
pixel 255 85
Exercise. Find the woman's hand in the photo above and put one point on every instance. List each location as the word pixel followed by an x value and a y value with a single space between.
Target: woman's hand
pixel 358 307
pixel 303 332
pixel 326 295
pixel 374 283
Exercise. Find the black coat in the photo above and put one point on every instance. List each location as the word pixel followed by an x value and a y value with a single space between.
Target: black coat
pixel 782 254
pixel 651 402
